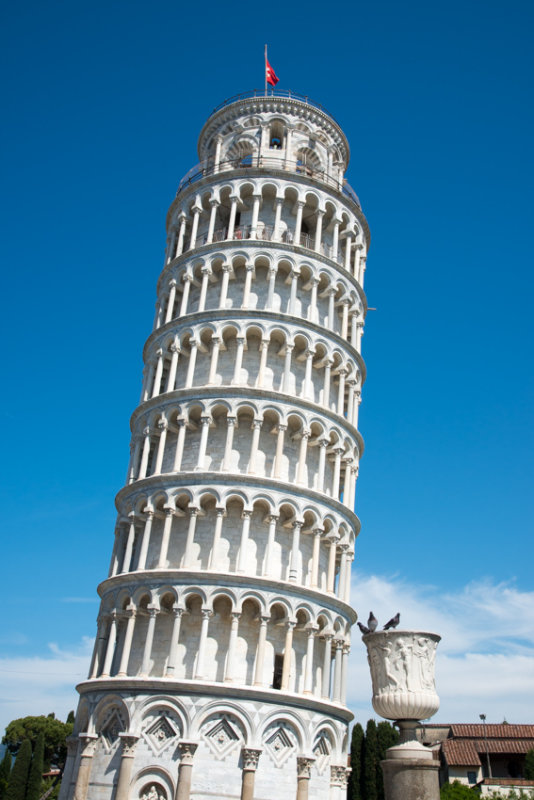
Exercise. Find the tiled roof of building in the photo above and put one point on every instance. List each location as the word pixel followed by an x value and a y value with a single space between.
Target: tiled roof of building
pixel 467 731
pixel 468 752
pixel 460 753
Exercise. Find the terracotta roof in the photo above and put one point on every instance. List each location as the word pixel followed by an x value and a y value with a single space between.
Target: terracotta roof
pixel 460 753
pixel 507 782
pixel 465 730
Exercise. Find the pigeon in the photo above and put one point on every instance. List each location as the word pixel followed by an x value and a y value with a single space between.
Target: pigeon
pixel 393 622
pixel 363 628
pixel 372 622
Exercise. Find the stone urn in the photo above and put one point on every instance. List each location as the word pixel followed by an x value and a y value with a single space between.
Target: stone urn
pixel 402 671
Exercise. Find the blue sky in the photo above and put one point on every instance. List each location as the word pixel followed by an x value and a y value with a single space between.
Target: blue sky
pixel 102 106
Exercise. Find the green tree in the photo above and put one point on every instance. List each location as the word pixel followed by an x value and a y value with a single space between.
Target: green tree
pixel 5 769
pixel 356 755
pixel 529 765
pixel 386 736
pixel 18 780
pixel 35 778
pixel 370 762
pixel 55 734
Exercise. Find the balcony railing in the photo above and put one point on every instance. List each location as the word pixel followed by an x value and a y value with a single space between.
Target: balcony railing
pixel 265 233
pixel 206 168
pixel 287 93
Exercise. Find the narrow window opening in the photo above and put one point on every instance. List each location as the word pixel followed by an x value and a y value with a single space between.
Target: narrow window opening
pixel 277 673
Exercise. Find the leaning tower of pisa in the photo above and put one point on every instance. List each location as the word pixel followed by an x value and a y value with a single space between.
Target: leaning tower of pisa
pixel 220 665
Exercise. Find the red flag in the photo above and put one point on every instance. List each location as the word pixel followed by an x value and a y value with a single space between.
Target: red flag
pixel 270 74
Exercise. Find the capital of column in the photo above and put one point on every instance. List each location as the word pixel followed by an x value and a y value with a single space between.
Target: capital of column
pixel 187 751
pixel 129 741
pixel 206 269
pixel 88 743
pixel 207 420
pixel 338 775
pixel 251 756
pixel 246 513
pixel 232 421
pixel 304 765
pixel 163 424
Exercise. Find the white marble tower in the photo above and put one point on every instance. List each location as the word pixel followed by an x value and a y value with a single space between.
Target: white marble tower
pixel 220 666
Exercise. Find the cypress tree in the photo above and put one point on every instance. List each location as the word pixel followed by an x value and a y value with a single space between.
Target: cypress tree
pixel 5 769
pixel 18 780
pixel 386 736
pixel 370 762
pixel 35 778
pixel 356 753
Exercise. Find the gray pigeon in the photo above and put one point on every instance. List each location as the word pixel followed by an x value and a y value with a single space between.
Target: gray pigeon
pixel 393 622
pixel 363 629
pixel 372 622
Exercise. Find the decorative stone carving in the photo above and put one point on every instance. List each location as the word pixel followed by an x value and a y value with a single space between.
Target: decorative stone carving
pixel 161 733
pixel 321 751
pixel 153 791
pixel 338 775
pixel 402 672
pixel 129 742
pixel 111 729
pixel 187 751
pixel 251 756
pixel 222 738
pixel 280 744
pixel 304 765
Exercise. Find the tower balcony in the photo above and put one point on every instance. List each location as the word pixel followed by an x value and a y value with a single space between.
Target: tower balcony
pixel 271 165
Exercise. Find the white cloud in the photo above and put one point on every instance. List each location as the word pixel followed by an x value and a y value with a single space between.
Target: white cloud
pixel 485 661
pixel 42 684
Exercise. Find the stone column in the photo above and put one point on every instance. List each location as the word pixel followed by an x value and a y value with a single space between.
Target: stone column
pixel 272 518
pixel 316 553
pixel 279 450
pixel 217 160
pixel 170 301
pixel 129 545
pixel 188 280
pixel 181 234
pixel 327 665
pixel 338 782
pixel 331 576
pixel 191 366
pixel 193 514
pixel 214 206
pixel 194 228
pixel 129 742
pixel 242 555
pixel 410 777
pixel 308 385
pixel 199 673
pixel 295 552
pixel 224 285
pixel 327 375
pixel 233 212
pixel 248 283
pixel 323 444
pixel 348 246
pixel 231 423
pixel 312 311
pixel 331 323
pixel 99 648
pixel 240 340
pixel 298 221
pixel 187 751
pixel 165 538
pixel 302 456
pixel 250 757
pixel 205 422
pixel 147 651
pixel 88 742
pixel 110 649
pixel 171 380
pixel 336 694
pixel 256 430
pixel 337 472
pixel 260 652
pixel 293 291
pixel 255 214
pixel 145 542
pixel 162 427
pixel 127 645
pixel 344 673
pixel 287 369
pixel 159 372
pixel 341 391
pixel 175 636
pixel 270 292
pixel 345 319
pixel 277 217
pixel 318 231
pixel 215 347
pixel 221 513
pixel 264 347
pixel 230 659
pixel 304 765
pixel 288 650
pixel 206 272
pixel 180 441
pixel 308 677
pixel 146 452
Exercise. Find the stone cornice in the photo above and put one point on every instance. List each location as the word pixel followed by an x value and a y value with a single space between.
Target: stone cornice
pixel 188 577
pixel 199 687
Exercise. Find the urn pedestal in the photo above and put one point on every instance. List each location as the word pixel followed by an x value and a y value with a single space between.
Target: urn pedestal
pixel 402 672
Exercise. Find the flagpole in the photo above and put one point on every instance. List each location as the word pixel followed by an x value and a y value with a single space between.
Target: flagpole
pixel 265 70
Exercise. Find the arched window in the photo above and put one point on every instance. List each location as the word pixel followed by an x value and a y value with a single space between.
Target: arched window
pixel 276 135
